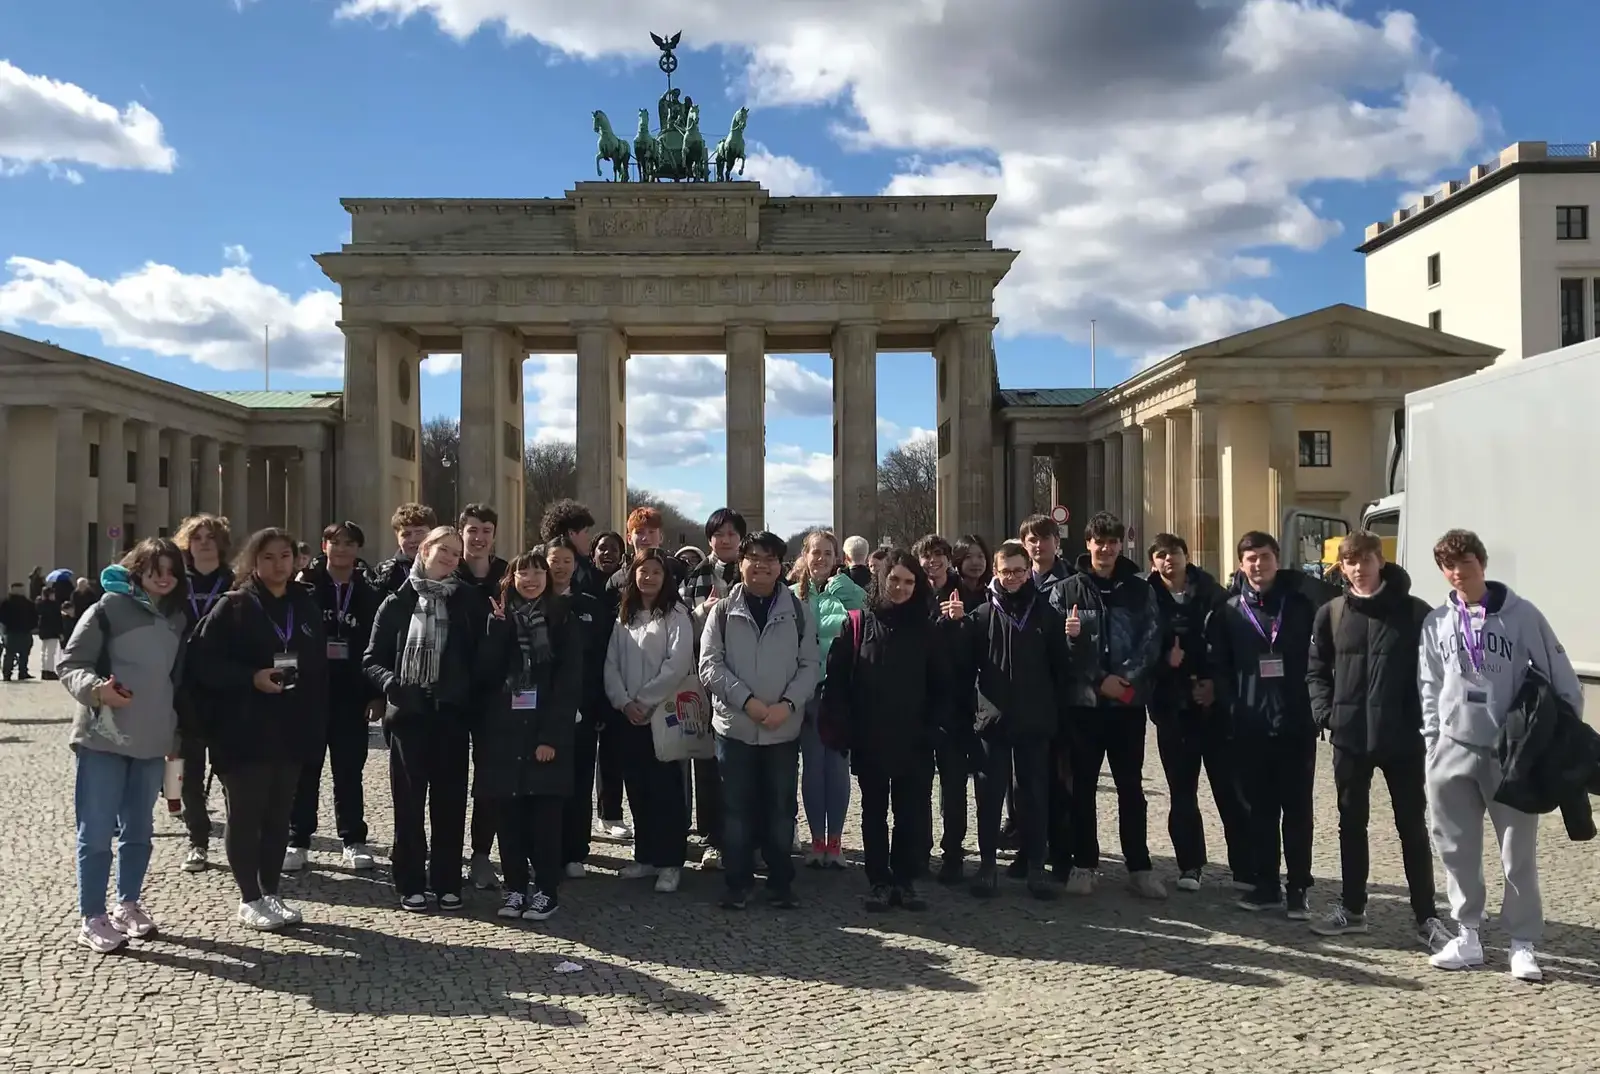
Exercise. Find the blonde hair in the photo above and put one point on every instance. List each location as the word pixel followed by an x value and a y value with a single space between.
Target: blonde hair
pixel 435 535
pixel 801 573
pixel 215 525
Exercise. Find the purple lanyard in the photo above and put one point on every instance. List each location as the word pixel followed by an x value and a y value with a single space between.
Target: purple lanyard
pixel 211 598
pixel 1277 623
pixel 1471 640
pixel 1017 624
pixel 288 628
pixel 341 599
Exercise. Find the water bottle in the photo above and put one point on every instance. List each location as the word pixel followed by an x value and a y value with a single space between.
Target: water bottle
pixel 172 784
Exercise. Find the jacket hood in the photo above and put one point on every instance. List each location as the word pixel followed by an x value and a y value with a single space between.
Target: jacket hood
pixel 1395 587
pixel 1124 568
pixel 1499 598
pixel 1196 578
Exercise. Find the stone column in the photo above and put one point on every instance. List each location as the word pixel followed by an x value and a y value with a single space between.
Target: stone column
pixel 1111 448
pixel 180 479
pixel 5 498
pixel 208 482
pixel 480 424
pixel 1154 451
pixel 1021 485
pixel 1133 489
pixel 745 398
pixel 310 496
pixel 294 518
pixel 964 355
pixel 150 504
pixel 366 447
pixel 602 424
pixel 855 433
pixel 258 511
pixel 1096 498
pixel 1207 525
pixel 1382 427
pixel 277 468
pixel 113 494
pixel 236 491
pixel 1283 456
pixel 72 471
pixel 1180 473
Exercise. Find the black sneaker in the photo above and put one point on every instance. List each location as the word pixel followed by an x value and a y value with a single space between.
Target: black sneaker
pixel 910 898
pixel 1018 869
pixel 783 899
pixel 540 907
pixel 986 885
pixel 734 900
pixel 49 676
pixel 1039 887
pixel 952 871
pixel 1298 905
pixel 450 901
pixel 417 904
pixel 879 898
pixel 1261 899
pixel 512 905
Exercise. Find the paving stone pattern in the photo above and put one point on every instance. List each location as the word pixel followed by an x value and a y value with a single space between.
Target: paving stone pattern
pixel 671 983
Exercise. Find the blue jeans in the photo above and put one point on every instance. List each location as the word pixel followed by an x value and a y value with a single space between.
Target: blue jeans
pixel 824 781
pixel 758 790
pixel 115 798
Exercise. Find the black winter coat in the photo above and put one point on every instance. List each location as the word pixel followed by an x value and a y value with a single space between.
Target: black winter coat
pixel 462 676
pixel 892 699
pixel 194 700
pixel 1549 758
pixel 1121 630
pixel 351 625
pixel 237 638
pixel 1024 672
pixel 594 623
pixel 1363 676
pixel 1277 706
pixel 387 577
pixel 507 738
pixel 1185 622
pixel 47 609
pixel 489 584
pixel 18 615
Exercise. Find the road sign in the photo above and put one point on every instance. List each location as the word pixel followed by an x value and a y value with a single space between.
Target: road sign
pixel 113 532
pixel 1059 515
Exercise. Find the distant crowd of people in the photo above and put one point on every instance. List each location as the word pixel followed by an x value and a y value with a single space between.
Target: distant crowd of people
pixel 521 701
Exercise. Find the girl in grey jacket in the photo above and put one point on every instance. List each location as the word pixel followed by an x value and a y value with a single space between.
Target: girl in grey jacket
pixel 122 665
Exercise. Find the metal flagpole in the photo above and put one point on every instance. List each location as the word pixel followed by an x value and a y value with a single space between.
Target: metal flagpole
pixel 1093 382
pixel 266 355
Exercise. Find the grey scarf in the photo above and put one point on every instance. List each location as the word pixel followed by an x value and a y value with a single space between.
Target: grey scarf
pixel 533 642
pixel 428 630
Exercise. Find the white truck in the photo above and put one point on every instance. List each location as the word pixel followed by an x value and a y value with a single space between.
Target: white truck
pixel 1513 454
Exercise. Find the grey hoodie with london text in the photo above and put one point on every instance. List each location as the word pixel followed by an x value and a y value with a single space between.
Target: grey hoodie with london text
pixel 1468 707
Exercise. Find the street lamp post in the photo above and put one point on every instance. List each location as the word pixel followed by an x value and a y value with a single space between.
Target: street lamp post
pixel 450 471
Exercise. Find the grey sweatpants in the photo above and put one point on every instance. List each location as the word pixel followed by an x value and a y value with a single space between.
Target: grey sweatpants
pixel 1461 784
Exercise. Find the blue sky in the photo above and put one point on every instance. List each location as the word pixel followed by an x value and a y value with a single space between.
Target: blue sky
pixel 165 176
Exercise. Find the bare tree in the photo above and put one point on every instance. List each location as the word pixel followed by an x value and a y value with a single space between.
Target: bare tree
pixel 1043 481
pixel 440 463
pixel 908 490
pixel 549 473
pixel 677 528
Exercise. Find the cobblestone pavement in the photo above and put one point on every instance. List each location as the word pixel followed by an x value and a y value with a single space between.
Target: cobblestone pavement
pixel 671 983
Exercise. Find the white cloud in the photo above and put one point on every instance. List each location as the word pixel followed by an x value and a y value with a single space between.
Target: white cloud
pixel 897 435
pixel 235 254
pixel 437 365
pixel 799 488
pixel 54 124
pixel 1149 154
pixel 783 176
pixel 216 320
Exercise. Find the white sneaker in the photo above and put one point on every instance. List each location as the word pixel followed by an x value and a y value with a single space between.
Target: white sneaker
pixel 285 913
pixel 358 857
pixel 1465 952
pixel 638 870
pixel 667 883
pixel 1524 964
pixel 196 860
pixel 294 859
pixel 576 870
pixel 711 859
pixel 258 915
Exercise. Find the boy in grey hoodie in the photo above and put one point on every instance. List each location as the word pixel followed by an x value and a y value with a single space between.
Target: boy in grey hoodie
pixel 1476 652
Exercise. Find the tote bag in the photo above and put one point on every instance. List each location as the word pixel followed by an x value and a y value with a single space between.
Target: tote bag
pixel 680 726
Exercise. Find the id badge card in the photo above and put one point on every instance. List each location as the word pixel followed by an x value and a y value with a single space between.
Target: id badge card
pixel 525 699
pixel 1272 667
pixel 289 664
pixel 1477 697
pixel 338 650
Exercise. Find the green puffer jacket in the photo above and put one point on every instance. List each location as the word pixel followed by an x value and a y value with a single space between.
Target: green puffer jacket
pixel 831 606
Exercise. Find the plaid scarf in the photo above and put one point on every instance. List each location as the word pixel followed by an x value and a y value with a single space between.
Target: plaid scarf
pixel 428 630
pixel 709 578
pixel 533 641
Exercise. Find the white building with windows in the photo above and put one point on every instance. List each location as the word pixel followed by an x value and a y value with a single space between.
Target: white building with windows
pixel 1507 257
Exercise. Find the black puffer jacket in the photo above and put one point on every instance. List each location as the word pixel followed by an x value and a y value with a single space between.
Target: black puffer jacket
pixel 892 697
pixel 387 577
pixel 1276 706
pixel 462 673
pixel 349 623
pixel 506 740
pixel 1021 669
pixel 1363 674
pixel 1548 758
pixel 1121 630
pixel 1184 622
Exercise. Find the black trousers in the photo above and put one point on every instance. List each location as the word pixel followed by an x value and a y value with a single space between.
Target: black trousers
pixel 485 818
pixel 608 781
pixel 428 782
pixel 530 832
pixel 658 797
pixel 1187 741
pixel 259 797
pixel 708 801
pixel 577 811
pixel 347 755
pixel 1277 775
pixel 955 771
pixel 1030 762
pixel 1405 775
pixel 1058 803
pixel 900 858
pixel 1113 733
pixel 195 817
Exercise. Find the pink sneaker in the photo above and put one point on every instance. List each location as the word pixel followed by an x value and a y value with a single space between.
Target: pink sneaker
pixel 130 919
pixel 98 935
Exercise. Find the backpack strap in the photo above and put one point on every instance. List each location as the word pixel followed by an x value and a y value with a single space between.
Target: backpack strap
pixel 855 631
pixel 1336 615
pixel 102 621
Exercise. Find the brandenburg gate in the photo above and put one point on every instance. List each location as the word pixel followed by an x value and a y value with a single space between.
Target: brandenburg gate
pixel 619 268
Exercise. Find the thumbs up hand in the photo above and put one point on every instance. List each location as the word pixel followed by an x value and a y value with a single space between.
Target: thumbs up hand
pixel 1074 624
pixel 1175 657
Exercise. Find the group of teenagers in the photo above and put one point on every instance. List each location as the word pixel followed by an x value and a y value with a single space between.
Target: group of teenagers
pixel 500 685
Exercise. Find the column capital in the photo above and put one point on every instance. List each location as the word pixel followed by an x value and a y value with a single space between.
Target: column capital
pixel 351 327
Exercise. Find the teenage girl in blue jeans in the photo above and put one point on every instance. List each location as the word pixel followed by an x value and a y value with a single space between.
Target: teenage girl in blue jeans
pixel 824 773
